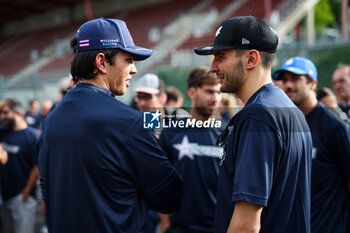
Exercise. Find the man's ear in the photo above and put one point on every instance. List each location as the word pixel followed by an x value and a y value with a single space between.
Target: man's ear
pixel 101 63
pixel 313 85
pixel 191 91
pixel 252 58
pixel 163 97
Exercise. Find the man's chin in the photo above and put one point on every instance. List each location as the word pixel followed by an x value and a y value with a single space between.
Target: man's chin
pixel 224 89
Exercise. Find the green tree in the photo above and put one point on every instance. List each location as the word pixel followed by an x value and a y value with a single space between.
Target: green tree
pixel 324 16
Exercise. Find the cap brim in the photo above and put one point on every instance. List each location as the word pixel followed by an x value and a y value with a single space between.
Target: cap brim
pixel 148 90
pixel 277 75
pixel 139 53
pixel 209 50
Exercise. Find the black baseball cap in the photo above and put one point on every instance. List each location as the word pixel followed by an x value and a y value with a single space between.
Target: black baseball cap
pixel 245 32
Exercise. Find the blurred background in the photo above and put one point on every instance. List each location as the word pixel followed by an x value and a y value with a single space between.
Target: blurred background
pixel 35 55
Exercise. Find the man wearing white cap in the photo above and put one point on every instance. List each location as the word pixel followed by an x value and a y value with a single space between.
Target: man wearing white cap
pixel 150 93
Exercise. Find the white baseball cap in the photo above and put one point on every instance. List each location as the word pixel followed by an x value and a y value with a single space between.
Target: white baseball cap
pixel 150 84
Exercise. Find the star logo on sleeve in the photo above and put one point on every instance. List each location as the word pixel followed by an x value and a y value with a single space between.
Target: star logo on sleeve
pixel 185 148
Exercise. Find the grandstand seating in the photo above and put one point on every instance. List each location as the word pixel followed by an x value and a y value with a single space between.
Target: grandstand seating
pixel 158 15
pixel 249 8
pixel 139 21
pixel 59 62
pixel 15 50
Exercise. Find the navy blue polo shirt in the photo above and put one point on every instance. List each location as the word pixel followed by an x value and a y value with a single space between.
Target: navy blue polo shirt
pixel 100 169
pixel 194 153
pixel 330 170
pixel 33 120
pixel 267 162
pixel 21 150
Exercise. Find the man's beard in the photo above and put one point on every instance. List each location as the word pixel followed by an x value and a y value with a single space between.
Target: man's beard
pixel 204 112
pixel 234 79
pixel 10 125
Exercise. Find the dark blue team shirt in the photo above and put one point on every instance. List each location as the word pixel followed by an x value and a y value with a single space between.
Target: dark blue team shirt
pixel 21 150
pixel 267 163
pixel 330 171
pixel 33 120
pixel 194 153
pixel 100 170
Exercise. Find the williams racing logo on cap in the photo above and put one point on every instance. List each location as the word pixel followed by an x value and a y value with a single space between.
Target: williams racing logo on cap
pixel 151 120
pixel 84 43
pixel 109 42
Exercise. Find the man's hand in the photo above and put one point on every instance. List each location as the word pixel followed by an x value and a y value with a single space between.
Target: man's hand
pixel 3 155
pixel 164 222
pixel 33 177
pixel 43 211
pixel 330 101
pixel 25 195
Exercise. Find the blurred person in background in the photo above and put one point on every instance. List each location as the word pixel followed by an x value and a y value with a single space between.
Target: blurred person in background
pixel 175 98
pixel 229 106
pixel 330 173
pixel 174 103
pixel 194 153
pixel 340 101
pixel 20 173
pixel 65 85
pixel 150 93
pixel 33 116
pixel 46 107
pixel 151 96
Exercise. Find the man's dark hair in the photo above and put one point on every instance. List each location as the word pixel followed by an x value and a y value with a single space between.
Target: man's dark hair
pixel 201 75
pixel 173 93
pixel 14 106
pixel 32 101
pixel 267 59
pixel 83 64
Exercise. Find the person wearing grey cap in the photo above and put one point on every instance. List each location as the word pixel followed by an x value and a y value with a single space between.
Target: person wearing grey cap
pixel 264 178
pixel 150 93
pixel 100 170
pixel 151 96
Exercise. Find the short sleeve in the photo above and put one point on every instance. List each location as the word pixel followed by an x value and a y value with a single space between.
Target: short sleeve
pixel 151 170
pixel 254 163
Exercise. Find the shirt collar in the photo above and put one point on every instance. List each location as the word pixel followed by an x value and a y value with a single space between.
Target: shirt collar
pixel 252 98
pixel 96 88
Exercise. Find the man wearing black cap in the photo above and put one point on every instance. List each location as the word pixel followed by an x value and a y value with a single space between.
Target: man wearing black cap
pixel 100 170
pixel 264 180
